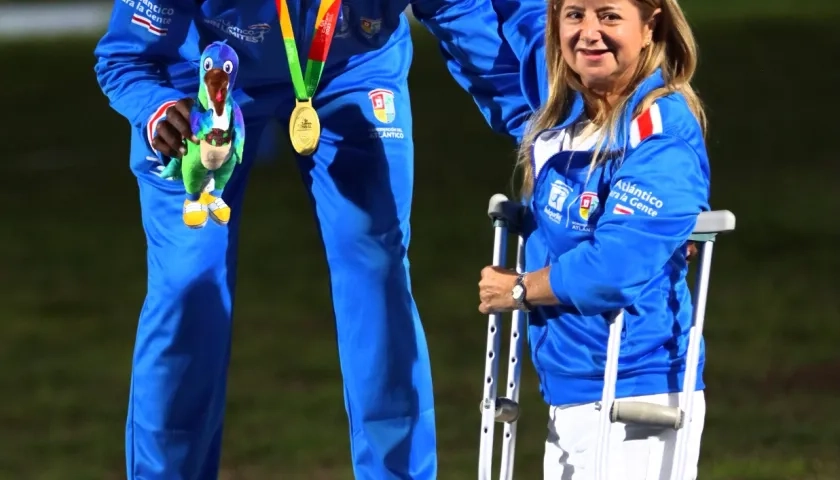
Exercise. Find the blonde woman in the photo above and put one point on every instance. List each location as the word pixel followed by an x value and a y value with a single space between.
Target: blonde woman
pixel 615 173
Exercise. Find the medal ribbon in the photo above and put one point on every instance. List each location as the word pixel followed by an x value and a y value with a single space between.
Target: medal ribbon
pixel 306 84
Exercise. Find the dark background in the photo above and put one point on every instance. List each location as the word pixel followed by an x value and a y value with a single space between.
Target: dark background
pixel 73 270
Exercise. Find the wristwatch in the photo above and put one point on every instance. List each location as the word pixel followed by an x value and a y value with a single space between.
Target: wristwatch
pixel 519 293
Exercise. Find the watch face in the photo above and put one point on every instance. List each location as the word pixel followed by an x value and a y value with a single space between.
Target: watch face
pixel 517 292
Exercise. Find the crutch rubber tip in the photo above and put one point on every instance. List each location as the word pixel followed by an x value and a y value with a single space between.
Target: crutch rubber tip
pixel 643 413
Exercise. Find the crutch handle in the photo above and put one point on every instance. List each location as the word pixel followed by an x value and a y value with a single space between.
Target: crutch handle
pixel 644 413
pixel 715 221
pixel 510 214
pixel 507 411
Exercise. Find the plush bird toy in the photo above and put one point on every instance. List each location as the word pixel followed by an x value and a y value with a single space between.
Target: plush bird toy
pixel 218 125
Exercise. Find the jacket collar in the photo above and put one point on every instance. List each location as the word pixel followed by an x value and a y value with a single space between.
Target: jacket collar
pixel 649 84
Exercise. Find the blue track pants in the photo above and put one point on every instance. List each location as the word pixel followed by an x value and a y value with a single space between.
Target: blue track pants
pixel 360 181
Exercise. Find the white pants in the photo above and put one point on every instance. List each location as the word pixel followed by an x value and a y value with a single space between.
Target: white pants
pixel 635 452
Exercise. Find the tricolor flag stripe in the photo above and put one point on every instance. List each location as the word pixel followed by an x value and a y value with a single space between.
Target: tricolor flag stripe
pixel 646 124
pixel 622 210
pixel 147 24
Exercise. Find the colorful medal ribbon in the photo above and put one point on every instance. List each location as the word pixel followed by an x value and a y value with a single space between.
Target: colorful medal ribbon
pixel 306 84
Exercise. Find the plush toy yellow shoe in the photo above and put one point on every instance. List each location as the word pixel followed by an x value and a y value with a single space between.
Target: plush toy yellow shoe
pixel 218 209
pixel 195 213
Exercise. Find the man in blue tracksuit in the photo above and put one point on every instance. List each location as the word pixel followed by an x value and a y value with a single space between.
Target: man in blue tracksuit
pixel 360 179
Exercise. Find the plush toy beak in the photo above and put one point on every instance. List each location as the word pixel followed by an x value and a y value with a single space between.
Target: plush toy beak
pixel 217 81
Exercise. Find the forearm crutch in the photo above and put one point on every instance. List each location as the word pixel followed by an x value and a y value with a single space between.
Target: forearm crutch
pixel 508 217
pixel 708 225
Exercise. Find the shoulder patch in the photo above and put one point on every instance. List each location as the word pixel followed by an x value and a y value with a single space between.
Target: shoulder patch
pixel 646 124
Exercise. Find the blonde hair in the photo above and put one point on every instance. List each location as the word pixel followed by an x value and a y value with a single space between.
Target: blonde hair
pixel 673 49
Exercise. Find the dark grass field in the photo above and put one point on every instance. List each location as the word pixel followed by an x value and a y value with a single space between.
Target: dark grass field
pixel 74 263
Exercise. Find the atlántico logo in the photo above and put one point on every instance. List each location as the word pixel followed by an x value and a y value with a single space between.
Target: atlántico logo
pixel 588 204
pixel 383 105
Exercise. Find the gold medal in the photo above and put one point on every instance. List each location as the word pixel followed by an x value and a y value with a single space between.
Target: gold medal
pixel 304 128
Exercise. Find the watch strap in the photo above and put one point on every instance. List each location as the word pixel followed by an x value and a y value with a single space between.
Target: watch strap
pixel 521 304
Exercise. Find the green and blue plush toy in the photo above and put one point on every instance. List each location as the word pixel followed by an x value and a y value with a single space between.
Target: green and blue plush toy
pixel 217 122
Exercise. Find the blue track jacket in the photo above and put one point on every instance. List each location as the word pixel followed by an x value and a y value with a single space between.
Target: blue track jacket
pixel 617 239
pixel 149 55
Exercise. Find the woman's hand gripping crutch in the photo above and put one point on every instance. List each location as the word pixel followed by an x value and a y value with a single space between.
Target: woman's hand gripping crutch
pixel 507 218
pixel 709 224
